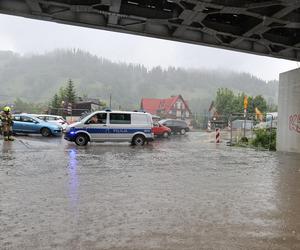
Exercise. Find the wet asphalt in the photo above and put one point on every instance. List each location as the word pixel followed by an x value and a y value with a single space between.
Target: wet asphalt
pixel 179 193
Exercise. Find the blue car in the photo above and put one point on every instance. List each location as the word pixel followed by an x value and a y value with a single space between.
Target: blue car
pixel 29 124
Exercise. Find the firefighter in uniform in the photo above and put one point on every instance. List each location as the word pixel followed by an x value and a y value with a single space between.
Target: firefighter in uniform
pixel 7 122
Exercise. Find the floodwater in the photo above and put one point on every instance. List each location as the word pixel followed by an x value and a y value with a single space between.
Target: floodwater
pixel 179 193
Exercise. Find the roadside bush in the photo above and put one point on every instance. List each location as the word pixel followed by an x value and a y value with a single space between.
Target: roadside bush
pixel 265 138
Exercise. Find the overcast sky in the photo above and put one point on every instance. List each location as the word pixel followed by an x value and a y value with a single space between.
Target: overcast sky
pixel 27 36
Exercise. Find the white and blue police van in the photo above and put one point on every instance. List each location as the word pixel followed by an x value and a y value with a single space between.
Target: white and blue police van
pixel 112 126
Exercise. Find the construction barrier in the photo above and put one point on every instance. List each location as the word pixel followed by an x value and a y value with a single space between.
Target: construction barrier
pixel 218 135
pixel 209 126
pixel 229 125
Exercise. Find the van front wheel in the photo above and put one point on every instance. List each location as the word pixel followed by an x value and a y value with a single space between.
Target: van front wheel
pixel 138 140
pixel 81 140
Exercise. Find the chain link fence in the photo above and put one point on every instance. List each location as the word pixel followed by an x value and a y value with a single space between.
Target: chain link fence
pixel 259 129
pixel 238 127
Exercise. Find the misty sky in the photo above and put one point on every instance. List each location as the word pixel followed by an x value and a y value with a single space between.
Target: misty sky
pixel 27 36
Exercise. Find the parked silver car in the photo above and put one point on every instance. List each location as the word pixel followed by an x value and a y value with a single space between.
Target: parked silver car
pixel 56 119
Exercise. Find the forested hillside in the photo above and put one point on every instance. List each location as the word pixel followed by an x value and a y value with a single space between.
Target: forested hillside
pixel 37 78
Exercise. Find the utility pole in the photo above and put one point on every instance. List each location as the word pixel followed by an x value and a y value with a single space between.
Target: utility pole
pixel 110 101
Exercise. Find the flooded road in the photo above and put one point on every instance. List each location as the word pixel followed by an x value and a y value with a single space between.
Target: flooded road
pixel 179 193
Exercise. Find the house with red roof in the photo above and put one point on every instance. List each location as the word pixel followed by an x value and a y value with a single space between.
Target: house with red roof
pixel 174 107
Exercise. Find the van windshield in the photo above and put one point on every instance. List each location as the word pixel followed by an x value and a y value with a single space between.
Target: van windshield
pixel 99 118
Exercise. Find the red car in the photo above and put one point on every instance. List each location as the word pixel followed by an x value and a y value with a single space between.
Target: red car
pixel 161 130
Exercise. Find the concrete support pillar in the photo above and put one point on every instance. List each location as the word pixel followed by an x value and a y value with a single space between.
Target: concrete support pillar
pixel 288 129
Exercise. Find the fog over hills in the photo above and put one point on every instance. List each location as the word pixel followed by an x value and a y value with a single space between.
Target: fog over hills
pixel 36 78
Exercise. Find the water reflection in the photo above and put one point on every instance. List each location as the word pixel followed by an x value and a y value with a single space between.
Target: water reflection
pixel 6 151
pixel 73 175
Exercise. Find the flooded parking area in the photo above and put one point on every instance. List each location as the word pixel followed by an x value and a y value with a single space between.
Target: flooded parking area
pixel 179 193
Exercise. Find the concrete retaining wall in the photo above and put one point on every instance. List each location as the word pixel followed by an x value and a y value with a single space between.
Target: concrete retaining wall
pixel 288 131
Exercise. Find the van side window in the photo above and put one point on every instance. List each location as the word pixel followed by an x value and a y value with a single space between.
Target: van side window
pixel 119 118
pixel 139 119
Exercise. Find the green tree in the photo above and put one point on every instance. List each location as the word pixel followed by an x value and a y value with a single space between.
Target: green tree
pixel 251 107
pixel 55 103
pixel 61 95
pixel 70 92
pixel 260 103
pixel 238 103
pixel 225 101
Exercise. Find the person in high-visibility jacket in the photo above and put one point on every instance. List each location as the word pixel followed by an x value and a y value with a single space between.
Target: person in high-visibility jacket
pixel 7 122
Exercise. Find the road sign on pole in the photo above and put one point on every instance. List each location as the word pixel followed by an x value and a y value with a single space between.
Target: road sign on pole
pixel 245 102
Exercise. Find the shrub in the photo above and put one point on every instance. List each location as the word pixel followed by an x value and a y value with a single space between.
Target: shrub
pixel 265 138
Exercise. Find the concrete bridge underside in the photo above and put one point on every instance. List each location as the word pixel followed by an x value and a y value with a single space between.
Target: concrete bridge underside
pixel 263 27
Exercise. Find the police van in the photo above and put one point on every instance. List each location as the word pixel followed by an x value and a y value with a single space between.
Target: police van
pixel 113 126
